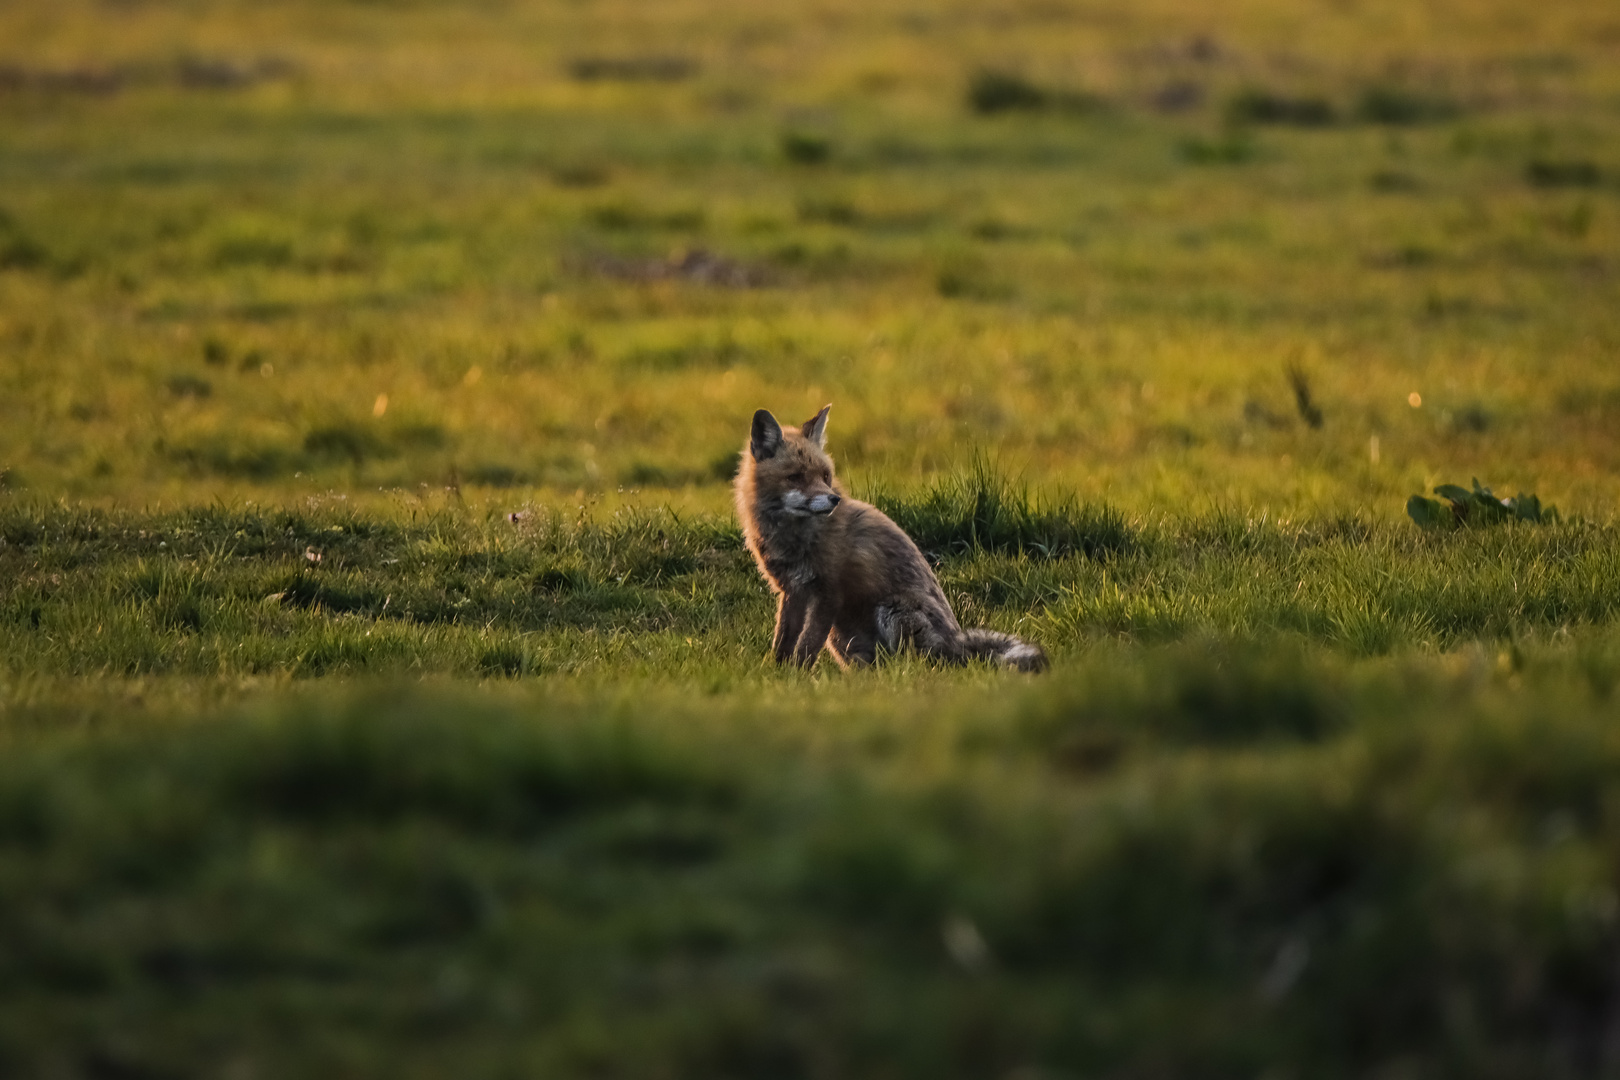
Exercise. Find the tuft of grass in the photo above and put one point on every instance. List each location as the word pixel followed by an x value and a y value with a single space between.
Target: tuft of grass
pixel 981 508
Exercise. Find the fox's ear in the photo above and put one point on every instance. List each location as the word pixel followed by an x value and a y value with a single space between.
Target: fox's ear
pixel 766 437
pixel 815 428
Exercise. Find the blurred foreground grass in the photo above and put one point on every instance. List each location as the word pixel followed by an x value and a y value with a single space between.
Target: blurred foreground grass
pixel 1194 860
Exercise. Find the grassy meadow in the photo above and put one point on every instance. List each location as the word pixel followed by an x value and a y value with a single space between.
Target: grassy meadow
pixel 382 682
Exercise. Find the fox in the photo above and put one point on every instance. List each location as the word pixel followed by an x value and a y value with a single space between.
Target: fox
pixel 847 578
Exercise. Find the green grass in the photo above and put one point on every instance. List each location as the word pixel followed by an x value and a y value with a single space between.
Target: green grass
pixel 326 590
pixel 382 678
pixel 1290 862
pixel 450 264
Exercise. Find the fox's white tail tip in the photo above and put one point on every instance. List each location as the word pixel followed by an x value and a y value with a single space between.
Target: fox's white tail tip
pixel 1025 657
pixel 1015 652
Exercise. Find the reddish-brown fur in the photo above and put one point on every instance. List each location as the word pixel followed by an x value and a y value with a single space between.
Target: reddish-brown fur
pixel 847 577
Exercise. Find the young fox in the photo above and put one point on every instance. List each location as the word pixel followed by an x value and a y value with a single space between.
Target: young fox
pixel 847 576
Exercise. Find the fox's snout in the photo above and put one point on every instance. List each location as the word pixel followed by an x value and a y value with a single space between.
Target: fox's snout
pixel 800 502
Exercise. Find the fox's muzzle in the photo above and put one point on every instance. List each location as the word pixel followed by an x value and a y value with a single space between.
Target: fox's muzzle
pixel 797 502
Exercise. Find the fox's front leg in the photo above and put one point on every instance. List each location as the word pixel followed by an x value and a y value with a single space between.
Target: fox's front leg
pixel 818 623
pixel 790 609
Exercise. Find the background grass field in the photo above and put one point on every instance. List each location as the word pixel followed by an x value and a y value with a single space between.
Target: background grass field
pixel 381 682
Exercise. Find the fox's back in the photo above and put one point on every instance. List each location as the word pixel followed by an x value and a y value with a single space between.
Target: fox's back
pixel 866 560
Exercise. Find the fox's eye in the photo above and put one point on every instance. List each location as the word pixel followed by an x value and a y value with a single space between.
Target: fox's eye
pixel 826 476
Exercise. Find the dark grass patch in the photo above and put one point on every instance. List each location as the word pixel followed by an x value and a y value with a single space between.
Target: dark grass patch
pixel 189 386
pixel 1258 106
pixel 496 475
pixel 1394 181
pixel 88 81
pixel 1178 96
pixel 982 509
pixel 1398 106
pixel 251 249
pixel 970 278
pixel 991 92
pixel 1232 148
pixel 1563 172
pixel 829 211
pixel 226 456
pixel 20 251
pixel 667 475
pixel 623 216
pixel 353 442
pixel 195 72
pixel 805 148
pixel 581 175
pixel 650 67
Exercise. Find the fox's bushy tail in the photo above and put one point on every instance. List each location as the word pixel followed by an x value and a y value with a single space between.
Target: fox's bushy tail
pixel 1015 652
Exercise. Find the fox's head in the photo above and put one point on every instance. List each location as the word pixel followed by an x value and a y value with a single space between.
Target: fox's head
pixel 791 467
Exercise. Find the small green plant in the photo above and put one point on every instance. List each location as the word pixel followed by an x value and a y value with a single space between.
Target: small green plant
pixel 1476 507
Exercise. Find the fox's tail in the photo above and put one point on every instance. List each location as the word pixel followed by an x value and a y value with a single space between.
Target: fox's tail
pixel 1015 652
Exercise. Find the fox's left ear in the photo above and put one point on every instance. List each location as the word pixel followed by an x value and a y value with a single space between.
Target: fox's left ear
pixel 815 429
pixel 765 437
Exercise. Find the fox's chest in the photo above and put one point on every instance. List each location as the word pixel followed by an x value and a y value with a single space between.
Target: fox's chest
pixel 793 558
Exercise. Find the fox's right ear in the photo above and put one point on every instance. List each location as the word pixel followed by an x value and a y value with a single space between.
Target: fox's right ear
pixel 766 437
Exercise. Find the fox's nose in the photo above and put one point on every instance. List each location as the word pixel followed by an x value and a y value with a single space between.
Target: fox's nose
pixel 832 501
